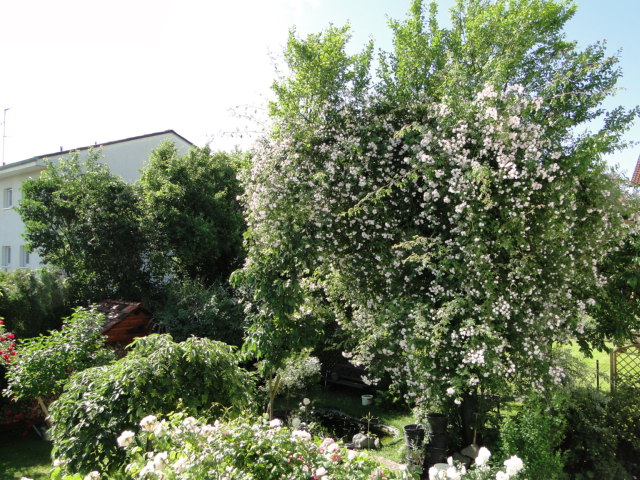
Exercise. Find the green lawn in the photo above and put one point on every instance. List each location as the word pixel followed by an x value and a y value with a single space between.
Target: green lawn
pixel 599 360
pixel 24 457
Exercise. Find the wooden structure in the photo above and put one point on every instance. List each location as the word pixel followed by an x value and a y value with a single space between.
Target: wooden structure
pixel 124 320
pixel 625 366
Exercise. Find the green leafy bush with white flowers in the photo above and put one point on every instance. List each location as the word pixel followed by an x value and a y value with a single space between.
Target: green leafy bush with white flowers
pixel 198 376
pixel 243 449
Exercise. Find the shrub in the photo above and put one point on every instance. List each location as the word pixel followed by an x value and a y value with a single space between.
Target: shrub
pixel 45 363
pixel 600 428
pixel 33 301
pixel 247 448
pixel 624 415
pixel 198 376
pixel 535 434
pixel 192 309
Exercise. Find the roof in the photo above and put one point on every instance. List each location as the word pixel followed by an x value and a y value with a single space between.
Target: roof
pixel 635 178
pixel 113 142
pixel 117 310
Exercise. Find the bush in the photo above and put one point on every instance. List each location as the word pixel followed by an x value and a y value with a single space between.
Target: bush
pixel 624 415
pixel 534 434
pixel 33 301
pixel 247 448
pixel 600 427
pixel 45 363
pixel 198 376
pixel 192 309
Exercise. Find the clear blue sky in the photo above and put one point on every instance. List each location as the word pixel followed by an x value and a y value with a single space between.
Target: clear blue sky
pixel 77 72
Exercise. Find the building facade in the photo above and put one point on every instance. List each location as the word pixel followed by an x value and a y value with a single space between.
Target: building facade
pixel 125 159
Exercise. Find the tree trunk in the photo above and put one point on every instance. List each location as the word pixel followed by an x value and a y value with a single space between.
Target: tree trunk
pixel 45 410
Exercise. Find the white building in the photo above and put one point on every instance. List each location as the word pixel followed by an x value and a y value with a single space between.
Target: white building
pixel 125 158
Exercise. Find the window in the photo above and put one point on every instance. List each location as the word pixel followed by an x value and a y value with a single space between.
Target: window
pixel 24 256
pixel 7 198
pixel 5 261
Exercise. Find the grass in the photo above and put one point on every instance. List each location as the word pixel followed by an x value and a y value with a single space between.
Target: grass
pixel 599 362
pixel 24 457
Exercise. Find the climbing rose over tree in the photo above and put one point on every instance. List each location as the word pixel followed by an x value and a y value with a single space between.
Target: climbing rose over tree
pixel 451 230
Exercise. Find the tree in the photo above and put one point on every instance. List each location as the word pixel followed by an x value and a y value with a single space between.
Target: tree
pixel 84 221
pixel 45 363
pixel 192 217
pixel 450 215
pixel 33 301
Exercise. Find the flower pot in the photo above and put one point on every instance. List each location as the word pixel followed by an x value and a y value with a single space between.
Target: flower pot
pixel 367 400
pixel 438 440
pixel 414 435
pixel 437 422
pixel 434 455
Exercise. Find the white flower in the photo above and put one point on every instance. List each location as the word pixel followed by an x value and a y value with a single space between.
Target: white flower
pixel 300 434
pixel 161 429
pixel 351 454
pixel 306 401
pixel 275 423
pixel 451 391
pixel 483 456
pixel 500 475
pixel 438 471
pixel 180 465
pixel 453 474
pixel 92 475
pixel 187 422
pixel 333 447
pixel 160 461
pixel 149 423
pixel 148 468
pixel 513 465
pixel 321 472
pixel 125 439
pixel 295 422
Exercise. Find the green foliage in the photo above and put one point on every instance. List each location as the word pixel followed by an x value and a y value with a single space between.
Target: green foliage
pixel 45 363
pixel 83 220
pixel 298 374
pixel 192 219
pixel 616 309
pixel 534 433
pixel 245 448
pixel 448 215
pixel 32 301
pixel 190 308
pixel 198 376
pixel 602 439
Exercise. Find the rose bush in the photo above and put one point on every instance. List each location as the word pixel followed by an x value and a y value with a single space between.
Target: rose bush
pixel 244 449
pixel 447 215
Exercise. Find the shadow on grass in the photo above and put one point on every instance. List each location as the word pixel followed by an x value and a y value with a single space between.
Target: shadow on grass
pixel 27 456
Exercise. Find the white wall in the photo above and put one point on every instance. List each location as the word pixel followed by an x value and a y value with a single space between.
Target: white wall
pixel 125 159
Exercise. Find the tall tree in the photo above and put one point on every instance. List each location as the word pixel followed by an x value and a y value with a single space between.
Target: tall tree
pixel 191 213
pixel 450 214
pixel 83 220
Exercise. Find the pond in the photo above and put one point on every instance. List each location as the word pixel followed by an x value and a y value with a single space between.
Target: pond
pixel 342 426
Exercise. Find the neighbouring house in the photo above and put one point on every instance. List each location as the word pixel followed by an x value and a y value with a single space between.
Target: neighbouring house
pixel 635 178
pixel 125 158
pixel 124 321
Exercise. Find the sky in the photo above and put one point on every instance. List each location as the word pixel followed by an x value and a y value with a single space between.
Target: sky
pixel 82 72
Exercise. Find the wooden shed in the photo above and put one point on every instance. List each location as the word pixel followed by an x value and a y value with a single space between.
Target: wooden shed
pixel 124 320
